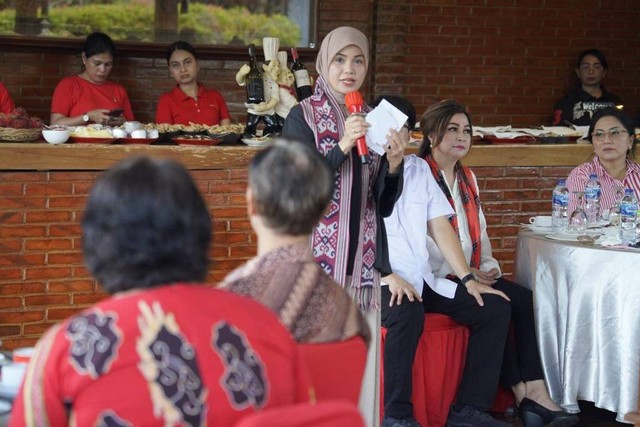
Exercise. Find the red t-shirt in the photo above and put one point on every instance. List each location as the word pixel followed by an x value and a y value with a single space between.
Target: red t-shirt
pixel 180 354
pixel 6 103
pixel 176 107
pixel 74 96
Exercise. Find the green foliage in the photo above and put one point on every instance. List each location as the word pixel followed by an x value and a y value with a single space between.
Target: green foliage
pixel 7 21
pixel 204 24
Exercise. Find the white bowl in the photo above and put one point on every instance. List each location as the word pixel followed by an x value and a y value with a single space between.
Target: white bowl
pixel 131 126
pixel 56 136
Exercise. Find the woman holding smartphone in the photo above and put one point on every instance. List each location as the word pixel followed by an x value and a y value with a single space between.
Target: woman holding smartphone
pixel 90 97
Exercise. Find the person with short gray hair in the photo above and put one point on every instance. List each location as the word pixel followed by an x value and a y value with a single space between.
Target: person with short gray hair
pixel 290 187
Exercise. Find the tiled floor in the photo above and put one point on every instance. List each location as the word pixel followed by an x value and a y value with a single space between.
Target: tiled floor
pixel 590 416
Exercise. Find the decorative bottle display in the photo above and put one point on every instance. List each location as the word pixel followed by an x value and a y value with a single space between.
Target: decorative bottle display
pixel 254 81
pixel 560 206
pixel 628 212
pixel 303 82
pixel 592 199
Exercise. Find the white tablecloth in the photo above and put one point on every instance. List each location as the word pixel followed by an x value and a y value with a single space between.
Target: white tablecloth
pixel 587 313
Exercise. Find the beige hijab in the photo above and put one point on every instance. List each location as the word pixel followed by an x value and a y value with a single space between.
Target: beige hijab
pixel 333 43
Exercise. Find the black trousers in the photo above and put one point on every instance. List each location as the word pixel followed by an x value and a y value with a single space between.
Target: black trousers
pixel 521 360
pixel 488 328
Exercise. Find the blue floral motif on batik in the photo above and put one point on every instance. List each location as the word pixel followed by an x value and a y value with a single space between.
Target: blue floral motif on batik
pixel 244 376
pixel 178 375
pixel 111 419
pixel 94 341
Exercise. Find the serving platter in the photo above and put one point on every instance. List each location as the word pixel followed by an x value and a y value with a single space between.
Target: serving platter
pixel 258 142
pixel 89 140
pixel 197 141
pixel 520 140
pixel 146 141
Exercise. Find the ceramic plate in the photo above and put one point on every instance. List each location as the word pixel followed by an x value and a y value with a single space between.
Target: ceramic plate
pixel 565 237
pixel 538 229
pixel 146 141
pixel 87 140
pixel 257 142
pixel 197 141
pixel 568 236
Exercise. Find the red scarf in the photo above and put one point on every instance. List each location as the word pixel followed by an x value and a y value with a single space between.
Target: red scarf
pixel 330 241
pixel 470 201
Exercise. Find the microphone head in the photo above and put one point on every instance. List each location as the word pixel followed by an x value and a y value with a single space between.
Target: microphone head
pixel 353 98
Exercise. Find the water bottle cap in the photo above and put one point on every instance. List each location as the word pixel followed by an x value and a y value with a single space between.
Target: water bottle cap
pixel 628 191
pixel 562 181
pixel 593 176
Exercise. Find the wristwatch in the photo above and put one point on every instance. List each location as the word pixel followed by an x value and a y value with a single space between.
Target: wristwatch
pixel 467 278
pixel 85 117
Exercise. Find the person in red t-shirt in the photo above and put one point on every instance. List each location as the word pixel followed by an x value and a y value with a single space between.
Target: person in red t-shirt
pixel 6 103
pixel 189 101
pixel 163 349
pixel 90 97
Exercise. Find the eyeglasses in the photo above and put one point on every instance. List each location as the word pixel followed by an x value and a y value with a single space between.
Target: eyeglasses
pixel 614 135
pixel 595 67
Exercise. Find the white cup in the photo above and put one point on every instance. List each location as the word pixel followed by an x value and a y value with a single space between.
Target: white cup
pixel 541 221
pixel 131 126
pixel 12 374
pixel 139 134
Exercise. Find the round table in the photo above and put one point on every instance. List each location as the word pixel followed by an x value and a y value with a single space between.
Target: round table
pixel 587 314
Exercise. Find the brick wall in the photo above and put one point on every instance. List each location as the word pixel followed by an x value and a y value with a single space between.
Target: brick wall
pixel 42 276
pixel 43 280
pixel 508 63
pixel 508 60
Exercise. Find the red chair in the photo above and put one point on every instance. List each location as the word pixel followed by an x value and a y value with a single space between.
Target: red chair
pixel 329 413
pixel 336 368
pixel 437 369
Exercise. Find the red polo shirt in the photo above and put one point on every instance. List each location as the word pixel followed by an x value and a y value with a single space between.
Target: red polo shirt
pixel 176 107
pixel 6 104
pixel 75 96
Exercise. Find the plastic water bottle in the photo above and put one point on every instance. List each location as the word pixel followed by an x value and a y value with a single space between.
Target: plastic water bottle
pixel 592 199
pixel 628 212
pixel 560 206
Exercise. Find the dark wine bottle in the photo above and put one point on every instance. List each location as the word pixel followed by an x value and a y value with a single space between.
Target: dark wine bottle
pixel 254 82
pixel 303 82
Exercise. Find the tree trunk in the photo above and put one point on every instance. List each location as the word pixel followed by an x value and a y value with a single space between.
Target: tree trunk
pixel 27 22
pixel 166 21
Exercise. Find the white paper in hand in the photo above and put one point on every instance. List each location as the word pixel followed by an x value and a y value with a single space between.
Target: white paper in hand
pixel 382 118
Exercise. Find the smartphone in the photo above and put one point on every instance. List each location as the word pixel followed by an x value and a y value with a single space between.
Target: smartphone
pixel 116 113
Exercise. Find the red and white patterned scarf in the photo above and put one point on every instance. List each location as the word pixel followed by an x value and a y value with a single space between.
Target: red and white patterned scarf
pixel 470 201
pixel 330 240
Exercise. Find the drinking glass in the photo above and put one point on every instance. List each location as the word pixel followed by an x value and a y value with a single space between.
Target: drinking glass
pixel 578 220
pixel 612 215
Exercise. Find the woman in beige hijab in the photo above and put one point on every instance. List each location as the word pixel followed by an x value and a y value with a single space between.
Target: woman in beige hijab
pixel 344 243
pixel 348 241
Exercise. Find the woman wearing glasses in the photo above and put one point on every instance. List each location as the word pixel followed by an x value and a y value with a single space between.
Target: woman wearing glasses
pixel 613 137
pixel 579 105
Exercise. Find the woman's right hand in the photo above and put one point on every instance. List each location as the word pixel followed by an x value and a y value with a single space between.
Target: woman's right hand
pixel 99 116
pixel 400 289
pixel 354 127
pixel 476 289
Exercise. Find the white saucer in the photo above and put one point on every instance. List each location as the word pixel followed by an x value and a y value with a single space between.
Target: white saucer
pixel 257 142
pixel 538 229
pixel 567 236
pixel 564 236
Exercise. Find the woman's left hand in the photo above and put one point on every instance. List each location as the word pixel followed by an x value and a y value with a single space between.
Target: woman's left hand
pixel 395 148
pixel 486 277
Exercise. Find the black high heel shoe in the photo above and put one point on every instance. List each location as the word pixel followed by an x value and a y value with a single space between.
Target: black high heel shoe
pixel 535 415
